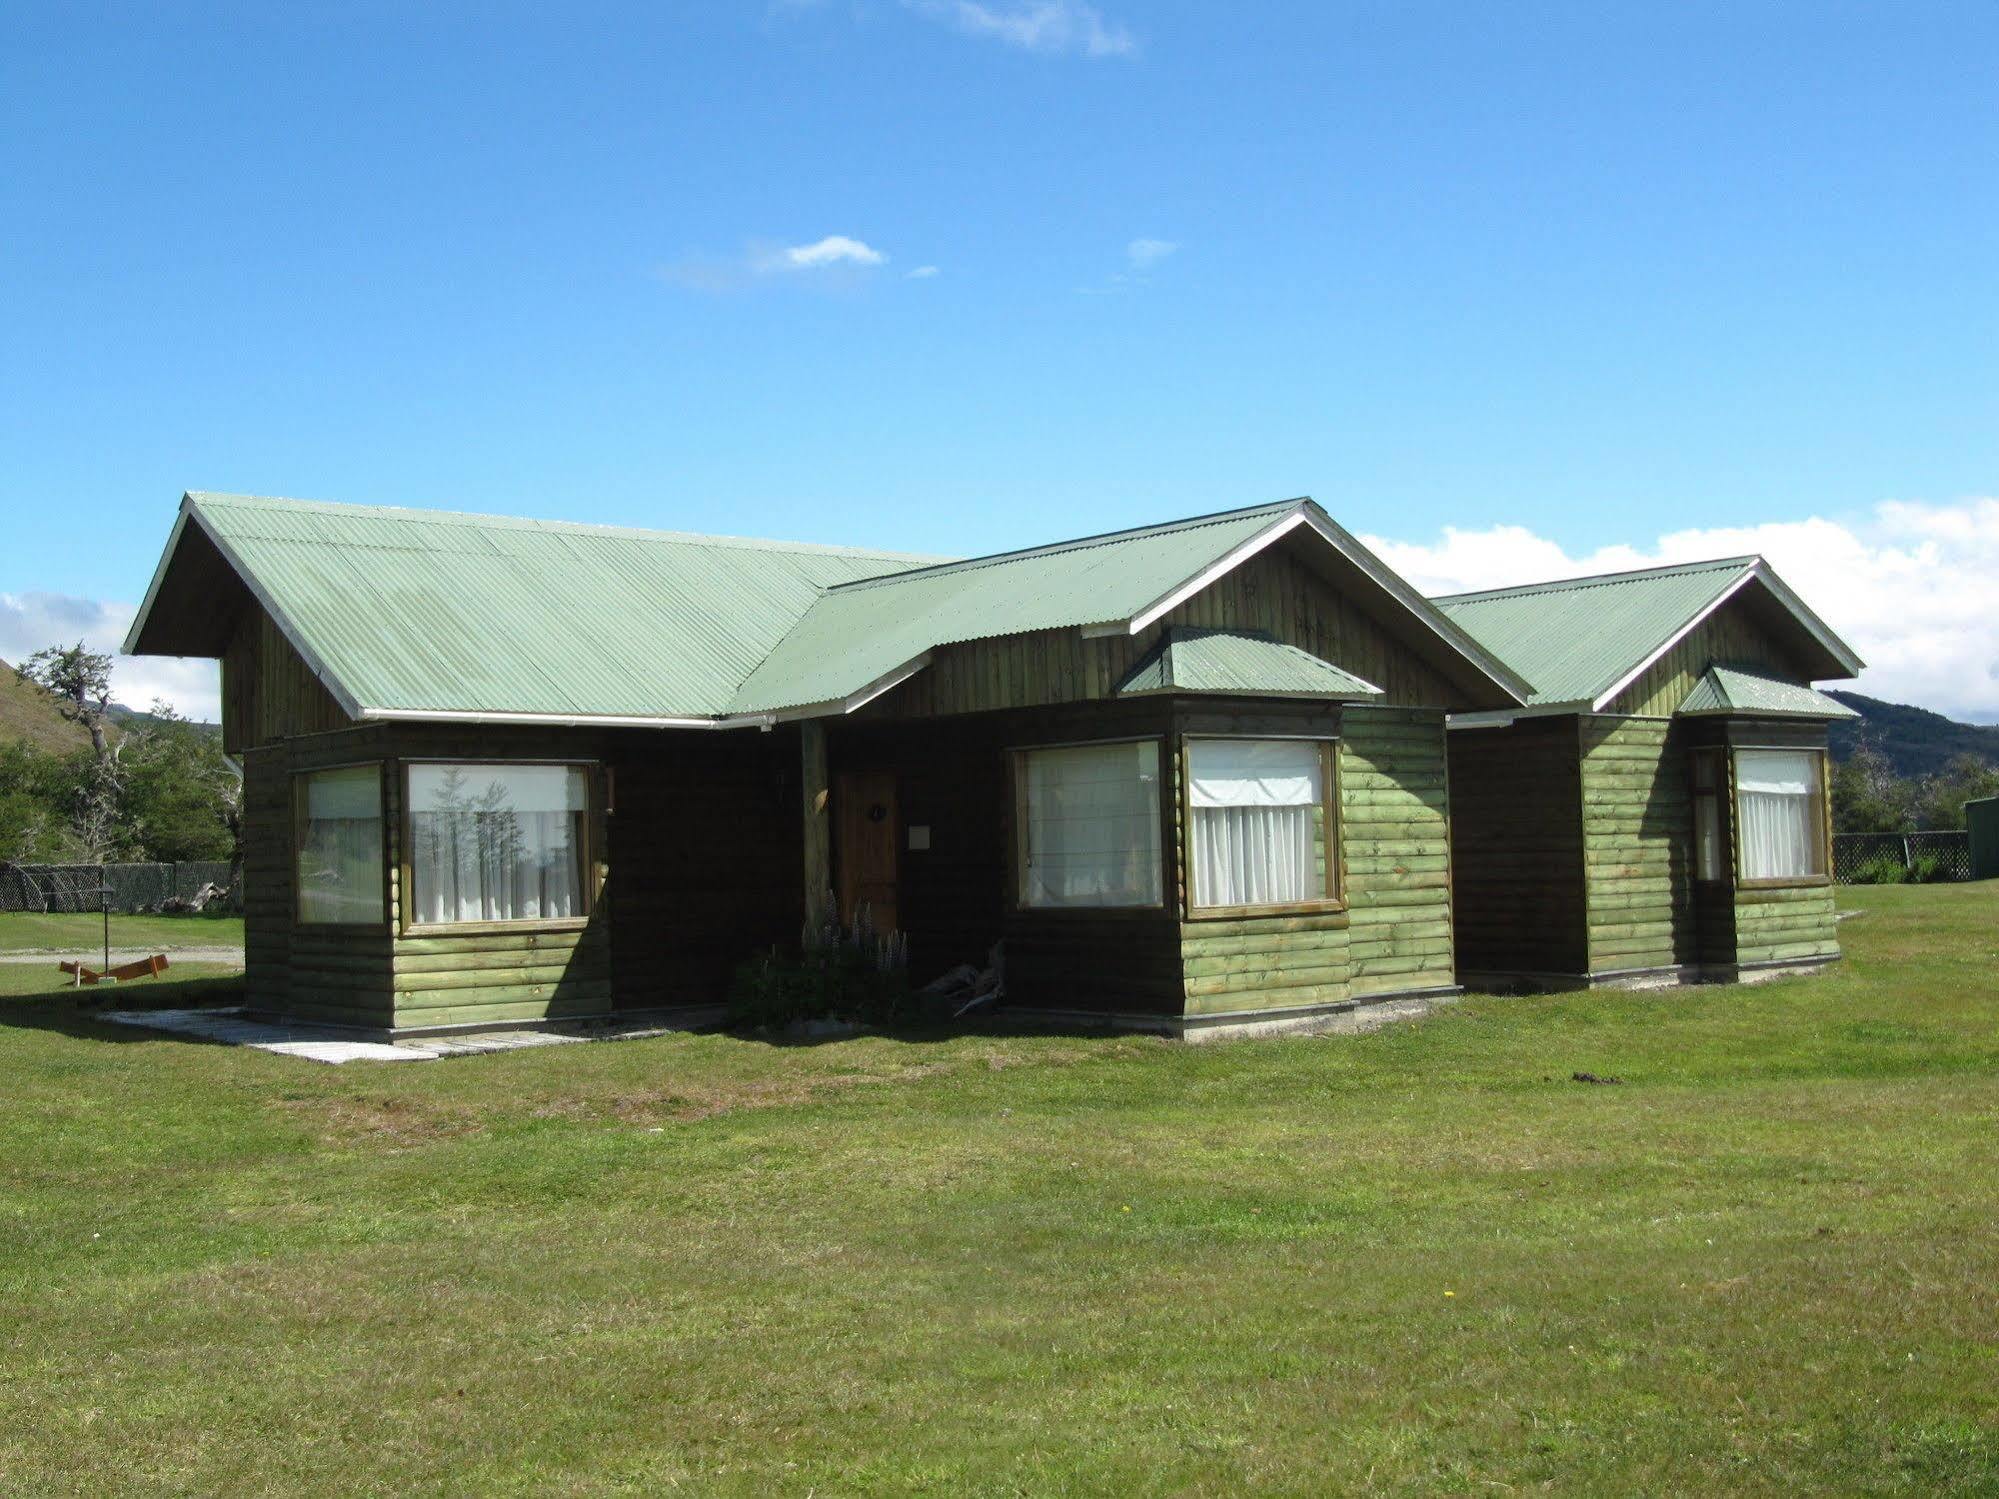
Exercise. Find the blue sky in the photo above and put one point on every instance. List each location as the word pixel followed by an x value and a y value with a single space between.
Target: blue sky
pixel 1587 276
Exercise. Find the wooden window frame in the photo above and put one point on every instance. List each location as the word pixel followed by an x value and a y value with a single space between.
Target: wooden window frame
pixel 1722 795
pixel 1334 900
pixel 299 820
pixel 1017 835
pixel 1824 820
pixel 587 855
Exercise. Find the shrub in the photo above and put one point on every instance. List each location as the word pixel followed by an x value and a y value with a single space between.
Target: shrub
pixel 840 973
pixel 1926 869
pixel 1882 869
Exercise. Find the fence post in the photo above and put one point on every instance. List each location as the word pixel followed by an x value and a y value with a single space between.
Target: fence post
pixel 1908 859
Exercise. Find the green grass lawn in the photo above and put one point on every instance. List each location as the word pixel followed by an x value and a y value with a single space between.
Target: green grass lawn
pixel 32 931
pixel 1421 1260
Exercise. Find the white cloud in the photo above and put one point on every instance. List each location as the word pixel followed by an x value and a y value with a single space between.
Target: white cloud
pixel 1034 25
pixel 832 259
pixel 1909 586
pixel 834 249
pixel 1146 253
pixel 30 621
pixel 921 273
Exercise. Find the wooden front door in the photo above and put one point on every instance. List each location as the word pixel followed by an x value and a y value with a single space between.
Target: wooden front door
pixel 865 844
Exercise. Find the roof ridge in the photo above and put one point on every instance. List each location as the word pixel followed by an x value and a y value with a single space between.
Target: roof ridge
pixel 203 497
pixel 1080 543
pixel 1597 580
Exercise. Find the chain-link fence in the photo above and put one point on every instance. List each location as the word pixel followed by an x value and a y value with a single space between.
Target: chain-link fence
pixel 133 887
pixel 1891 858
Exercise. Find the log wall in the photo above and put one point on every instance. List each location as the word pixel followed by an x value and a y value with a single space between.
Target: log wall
pixel 1637 845
pixel 1517 848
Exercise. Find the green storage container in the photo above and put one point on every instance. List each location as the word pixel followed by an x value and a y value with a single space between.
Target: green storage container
pixel 1982 818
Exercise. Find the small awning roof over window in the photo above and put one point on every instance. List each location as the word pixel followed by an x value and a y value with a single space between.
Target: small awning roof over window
pixel 1741 689
pixel 1239 663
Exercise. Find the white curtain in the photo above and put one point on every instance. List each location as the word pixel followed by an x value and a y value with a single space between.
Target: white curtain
pixel 1255 828
pixel 1092 835
pixel 1776 798
pixel 497 842
pixel 340 861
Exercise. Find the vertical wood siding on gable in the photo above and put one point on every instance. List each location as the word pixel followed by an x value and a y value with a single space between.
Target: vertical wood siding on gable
pixel 1395 934
pixel 1517 848
pixel 1637 845
pixel 268 692
pixel 1731 636
pixel 1273 591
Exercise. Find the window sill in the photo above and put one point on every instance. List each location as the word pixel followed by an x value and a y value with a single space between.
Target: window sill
pixel 493 928
pixel 1072 913
pixel 1799 882
pixel 344 928
pixel 1293 908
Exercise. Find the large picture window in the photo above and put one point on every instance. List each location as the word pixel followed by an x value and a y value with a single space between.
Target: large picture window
pixel 1780 814
pixel 341 875
pixel 498 842
pixel 1259 823
pixel 1089 819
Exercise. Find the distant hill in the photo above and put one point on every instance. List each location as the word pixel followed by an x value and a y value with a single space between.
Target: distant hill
pixel 29 713
pixel 1916 741
pixel 138 718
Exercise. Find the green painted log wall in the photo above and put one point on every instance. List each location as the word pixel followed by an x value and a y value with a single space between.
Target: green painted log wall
pixel 1784 924
pixel 1637 845
pixel 1395 934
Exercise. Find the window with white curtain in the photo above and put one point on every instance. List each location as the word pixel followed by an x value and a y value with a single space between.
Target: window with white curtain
pixel 1090 825
pixel 340 870
pixel 1779 813
pixel 497 842
pixel 1258 833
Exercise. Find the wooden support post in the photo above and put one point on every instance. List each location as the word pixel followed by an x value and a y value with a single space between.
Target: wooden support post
pixel 815 793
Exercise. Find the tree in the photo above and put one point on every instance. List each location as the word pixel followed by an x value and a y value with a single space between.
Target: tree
pixel 80 681
pixel 181 797
pixel 1867 795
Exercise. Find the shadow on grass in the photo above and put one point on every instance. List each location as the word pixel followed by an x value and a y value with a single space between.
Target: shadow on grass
pixel 77 1012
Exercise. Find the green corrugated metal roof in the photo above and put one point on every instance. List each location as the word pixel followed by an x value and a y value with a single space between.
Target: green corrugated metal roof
pixel 1247 662
pixel 429 610
pixel 433 614
pixel 1743 689
pixel 860 633
pixel 1575 638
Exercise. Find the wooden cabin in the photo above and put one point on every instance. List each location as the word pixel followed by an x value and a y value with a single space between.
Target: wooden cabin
pixel 500 771
pixel 1658 811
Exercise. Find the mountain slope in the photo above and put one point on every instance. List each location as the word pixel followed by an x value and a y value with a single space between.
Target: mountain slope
pixel 1916 741
pixel 28 714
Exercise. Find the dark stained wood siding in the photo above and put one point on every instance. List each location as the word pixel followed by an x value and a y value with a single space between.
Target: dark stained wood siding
pixel 268 692
pixel 1273 591
pixel 1517 848
pixel 707 860
pixel 956 897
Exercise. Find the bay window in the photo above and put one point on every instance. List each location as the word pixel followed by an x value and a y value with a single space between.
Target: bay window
pixel 1780 813
pixel 497 843
pixel 1088 818
pixel 1260 823
pixel 341 878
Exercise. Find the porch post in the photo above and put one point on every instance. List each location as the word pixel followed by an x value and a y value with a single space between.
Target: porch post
pixel 815 793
